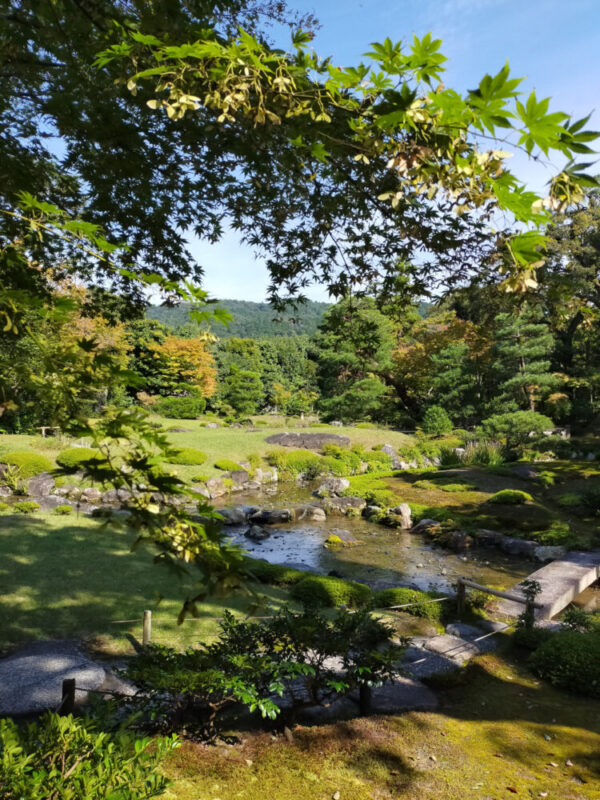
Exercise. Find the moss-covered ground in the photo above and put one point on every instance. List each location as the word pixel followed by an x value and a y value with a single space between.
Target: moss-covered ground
pixel 499 733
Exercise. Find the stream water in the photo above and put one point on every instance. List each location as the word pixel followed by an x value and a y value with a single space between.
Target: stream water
pixel 383 558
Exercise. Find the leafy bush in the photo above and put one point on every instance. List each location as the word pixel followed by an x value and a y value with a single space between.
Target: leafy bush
pixel 349 459
pixel 180 407
pixel 401 595
pixel 73 458
pixel 510 497
pixel 436 421
pixel 188 455
pixel 67 757
pixel 253 660
pixel 28 464
pixel 449 457
pixel 254 459
pixel 63 510
pixel 330 592
pixel 4 507
pixel 26 507
pixel 227 465
pixel 571 661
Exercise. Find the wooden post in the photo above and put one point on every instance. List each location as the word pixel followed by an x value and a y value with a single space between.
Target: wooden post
pixel 364 699
pixel 147 629
pixel 461 596
pixel 68 696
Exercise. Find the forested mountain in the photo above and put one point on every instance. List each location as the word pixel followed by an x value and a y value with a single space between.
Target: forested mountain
pixel 250 320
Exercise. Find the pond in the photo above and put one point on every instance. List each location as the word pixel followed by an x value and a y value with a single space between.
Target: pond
pixel 384 557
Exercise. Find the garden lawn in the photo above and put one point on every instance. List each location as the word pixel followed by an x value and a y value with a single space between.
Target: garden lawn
pixel 72 577
pixel 499 734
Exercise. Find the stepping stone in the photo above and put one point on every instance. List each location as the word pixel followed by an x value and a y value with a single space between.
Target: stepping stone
pixel 421 663
pixel 474 636
pixel 31 679
pixel 452 647
pixel 402 694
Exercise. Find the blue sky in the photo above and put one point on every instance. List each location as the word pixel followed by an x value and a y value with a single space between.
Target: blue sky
pixel 554 44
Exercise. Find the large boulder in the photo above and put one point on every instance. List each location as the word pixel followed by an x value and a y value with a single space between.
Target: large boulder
pixel 233 516
pixel 333 486
pixel 256 533
pixel 307 441
pixel 239 476
pixel 423 525
pixel 91 495
pixel 403 511
pixel 525 472
pixel 273 516
pixel 216 487
pixel 549 552
pixel 40 485
pixel 390 451
pixel 488 538
pixel 517 547
pixel 309 512
pixel 342 505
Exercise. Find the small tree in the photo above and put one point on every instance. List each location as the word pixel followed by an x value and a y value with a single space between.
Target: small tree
pixel 517 428
pixel 436 421
pixel 243 391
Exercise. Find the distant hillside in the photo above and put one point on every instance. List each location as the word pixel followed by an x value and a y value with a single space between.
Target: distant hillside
pixel 250 320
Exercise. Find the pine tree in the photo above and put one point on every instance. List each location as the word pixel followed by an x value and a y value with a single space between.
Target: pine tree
pixel 523 345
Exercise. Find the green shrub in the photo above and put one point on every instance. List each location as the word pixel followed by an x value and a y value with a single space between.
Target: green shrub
pixel 328 465
pixel 26 507
pixel 436 421
pixel 449 457
pixel 571 661
pixel 546 478
pixel 401 595
pixel 570 500
pixel 295 462
pixel 180 407
pixel 349 459
pixel 330 592
pixel 29 464
pixel 73 458
pixel 254 459
pixel 188 455
pixel 510 497
pixel 69 757
pixel 276 574
pixel 4 507
pixel 531 638
pixel 63 510
pixel 227 465
pixel 376 460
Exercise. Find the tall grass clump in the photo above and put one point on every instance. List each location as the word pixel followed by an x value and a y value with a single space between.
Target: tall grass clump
pixel 483 453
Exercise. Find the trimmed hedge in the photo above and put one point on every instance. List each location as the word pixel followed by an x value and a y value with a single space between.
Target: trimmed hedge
pixel 188 455
pixel 29 464
pixel 331 592
pixel 63 510
pixel 510 497
pixel 295 462
pixel 571 661
pixel 72 458
pixel 227 465
pixel 180 407
pixel 402 595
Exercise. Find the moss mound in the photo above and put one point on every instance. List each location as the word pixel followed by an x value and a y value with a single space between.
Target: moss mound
pixel 29 464
pixel 331 592
pixel 227 465
pixel 189 456
pixel 402 596
pixel 72 458
pixel 510 497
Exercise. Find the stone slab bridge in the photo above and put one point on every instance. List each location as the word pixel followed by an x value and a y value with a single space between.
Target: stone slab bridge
pixel 561 581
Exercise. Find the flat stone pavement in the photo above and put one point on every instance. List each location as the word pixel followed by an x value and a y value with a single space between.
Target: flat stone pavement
pixel 31 679
pixel 561 581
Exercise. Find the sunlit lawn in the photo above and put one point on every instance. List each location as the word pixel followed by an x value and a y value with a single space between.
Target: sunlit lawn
pixel 72 578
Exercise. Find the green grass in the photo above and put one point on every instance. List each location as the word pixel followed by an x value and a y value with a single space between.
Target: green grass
pixel 67 577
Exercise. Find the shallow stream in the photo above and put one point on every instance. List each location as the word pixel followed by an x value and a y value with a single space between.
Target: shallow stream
pixel 384 557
